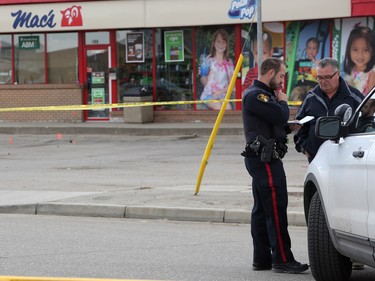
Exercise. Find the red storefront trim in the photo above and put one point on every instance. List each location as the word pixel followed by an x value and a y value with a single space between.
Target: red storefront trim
pixel 18 2
pixel 363 8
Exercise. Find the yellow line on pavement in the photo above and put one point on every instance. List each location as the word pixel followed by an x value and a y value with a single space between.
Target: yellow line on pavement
pixel 24 278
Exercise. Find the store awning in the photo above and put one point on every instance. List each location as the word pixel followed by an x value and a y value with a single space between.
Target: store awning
pixel 363 8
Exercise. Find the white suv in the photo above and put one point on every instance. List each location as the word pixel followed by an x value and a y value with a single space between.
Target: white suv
pixel 339 194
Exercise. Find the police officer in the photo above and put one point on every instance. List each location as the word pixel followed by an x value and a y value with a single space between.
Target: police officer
pixel 265 113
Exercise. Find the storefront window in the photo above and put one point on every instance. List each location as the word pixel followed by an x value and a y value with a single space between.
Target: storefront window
pixel 174 59
pixel 134 61
pixel 29 58
pixel 5 59
pixel 96 38
pixel 62 58
pixel 215 61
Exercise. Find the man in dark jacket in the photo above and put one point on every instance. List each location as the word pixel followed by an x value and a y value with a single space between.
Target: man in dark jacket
pixel 331 92
pixel 265 113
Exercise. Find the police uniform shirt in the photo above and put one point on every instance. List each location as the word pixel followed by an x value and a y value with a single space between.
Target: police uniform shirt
pixel 262 114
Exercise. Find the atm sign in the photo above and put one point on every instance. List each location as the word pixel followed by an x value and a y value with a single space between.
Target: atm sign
pixel 28 42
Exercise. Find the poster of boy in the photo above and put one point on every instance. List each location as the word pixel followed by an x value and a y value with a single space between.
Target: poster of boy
pixel 354 48
pixel 306 43
pixel 272 45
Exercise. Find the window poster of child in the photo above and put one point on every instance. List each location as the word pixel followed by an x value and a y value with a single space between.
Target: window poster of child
pixel 306 43
pixel 215 66
pixel 354 47
pixel 272 46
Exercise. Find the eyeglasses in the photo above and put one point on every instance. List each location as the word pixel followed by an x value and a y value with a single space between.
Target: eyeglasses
pixel 326 78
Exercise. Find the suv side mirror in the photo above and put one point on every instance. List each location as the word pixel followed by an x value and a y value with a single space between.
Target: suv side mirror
pixel 344 111
pixel 328 127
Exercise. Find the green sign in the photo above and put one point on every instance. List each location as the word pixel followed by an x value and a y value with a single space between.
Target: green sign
pixel 98 78
pixel 28 42
pixel 174 45
pixel 97 96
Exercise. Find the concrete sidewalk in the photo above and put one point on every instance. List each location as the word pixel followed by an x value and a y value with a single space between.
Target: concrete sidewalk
pixel 120 128
pixel 115 176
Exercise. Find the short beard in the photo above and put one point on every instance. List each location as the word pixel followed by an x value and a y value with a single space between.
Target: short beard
pixel 273 84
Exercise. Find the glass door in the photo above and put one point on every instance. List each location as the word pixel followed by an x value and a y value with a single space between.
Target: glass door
pixel 97 90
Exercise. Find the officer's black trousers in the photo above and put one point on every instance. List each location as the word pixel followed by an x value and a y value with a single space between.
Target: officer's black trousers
pixel 269 222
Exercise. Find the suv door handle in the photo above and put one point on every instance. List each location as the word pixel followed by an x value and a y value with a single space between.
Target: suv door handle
pixel 358 154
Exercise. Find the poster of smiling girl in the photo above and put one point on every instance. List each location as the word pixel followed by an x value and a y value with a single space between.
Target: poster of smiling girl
pixel 354 47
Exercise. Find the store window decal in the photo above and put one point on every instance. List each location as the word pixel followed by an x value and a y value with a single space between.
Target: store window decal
pixel 135 47
pixel 174 46
pixel 98 97
pixel 354 47
pixel 28 42
pixel 307 42
pixel 272 46
pixel 216 67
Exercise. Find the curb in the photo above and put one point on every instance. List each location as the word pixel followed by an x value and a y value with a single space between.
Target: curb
pixel 140 212
pixel 80 210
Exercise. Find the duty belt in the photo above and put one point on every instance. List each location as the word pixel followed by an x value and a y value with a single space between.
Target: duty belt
pixel 267 149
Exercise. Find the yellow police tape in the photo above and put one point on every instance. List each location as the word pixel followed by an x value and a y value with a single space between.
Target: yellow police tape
pixel 105 106
pixel 23 278
pixel 117 105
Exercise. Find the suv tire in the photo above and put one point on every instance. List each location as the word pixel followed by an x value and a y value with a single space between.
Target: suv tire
pixel 326 263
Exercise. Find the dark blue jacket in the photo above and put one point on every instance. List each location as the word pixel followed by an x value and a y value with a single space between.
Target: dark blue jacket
pixel 317 104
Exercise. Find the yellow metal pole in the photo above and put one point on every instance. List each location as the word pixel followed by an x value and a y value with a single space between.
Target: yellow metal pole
pixel 211 140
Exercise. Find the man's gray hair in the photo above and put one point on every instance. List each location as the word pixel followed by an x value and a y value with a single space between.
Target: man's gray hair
pixel 329 61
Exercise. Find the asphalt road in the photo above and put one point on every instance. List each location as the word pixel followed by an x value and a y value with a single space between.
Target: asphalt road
pixel 132 249
pixel 137 249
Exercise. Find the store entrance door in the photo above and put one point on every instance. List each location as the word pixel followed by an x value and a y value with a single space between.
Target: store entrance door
pixel 97 85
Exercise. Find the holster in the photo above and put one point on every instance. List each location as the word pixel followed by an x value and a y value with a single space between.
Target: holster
pixel 260 146
pixel 250 150
pixel 267 148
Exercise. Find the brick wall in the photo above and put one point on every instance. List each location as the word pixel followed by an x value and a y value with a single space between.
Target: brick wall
pixel 13 96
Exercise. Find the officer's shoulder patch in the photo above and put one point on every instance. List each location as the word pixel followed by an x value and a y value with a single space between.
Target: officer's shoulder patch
pixel 263 97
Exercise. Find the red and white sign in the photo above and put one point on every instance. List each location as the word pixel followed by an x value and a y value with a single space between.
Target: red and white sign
pixel 72 17
pixel 41 16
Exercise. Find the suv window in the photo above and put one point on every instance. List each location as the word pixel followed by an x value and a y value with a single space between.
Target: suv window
pixel 366 117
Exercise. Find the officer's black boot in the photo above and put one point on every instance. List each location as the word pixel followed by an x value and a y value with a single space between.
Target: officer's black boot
pixel 290 267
